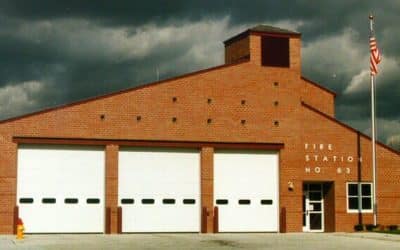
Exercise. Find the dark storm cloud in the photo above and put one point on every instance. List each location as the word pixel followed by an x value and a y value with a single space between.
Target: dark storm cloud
pixel 325 16
pixel 55 52
pixel 134 12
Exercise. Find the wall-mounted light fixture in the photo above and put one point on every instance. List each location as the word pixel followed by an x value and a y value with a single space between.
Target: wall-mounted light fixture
pixel 290 185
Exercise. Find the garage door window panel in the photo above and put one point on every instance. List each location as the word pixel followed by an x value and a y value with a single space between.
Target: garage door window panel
pixel 26 200
pixel 168 201
pixel 48 200
pixel 93 201
pixel 222 202
pixel 189 201
pixel 244 202
pixel 127 201
pixel 148 201
pixel 266 202
pixel 71 201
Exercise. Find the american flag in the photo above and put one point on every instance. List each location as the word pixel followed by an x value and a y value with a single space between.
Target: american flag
pixel 375 57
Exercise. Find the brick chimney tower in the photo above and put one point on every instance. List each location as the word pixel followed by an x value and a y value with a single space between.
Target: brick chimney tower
pixel 266 46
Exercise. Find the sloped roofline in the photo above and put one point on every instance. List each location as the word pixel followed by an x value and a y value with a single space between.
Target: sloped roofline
pixel 146 85
pixel 319 86
pixel 347 127
pixel 255 31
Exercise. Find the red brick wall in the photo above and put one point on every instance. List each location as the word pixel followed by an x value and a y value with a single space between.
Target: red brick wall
pixel 239 92
pixel 324 100
pixel 344 143
pixel 237 51
pixel 8 186
pixel 250 46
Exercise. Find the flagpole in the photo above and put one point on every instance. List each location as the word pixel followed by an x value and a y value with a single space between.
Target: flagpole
pixel 373 131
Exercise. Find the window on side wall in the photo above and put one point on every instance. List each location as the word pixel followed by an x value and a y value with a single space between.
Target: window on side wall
pixel 359 197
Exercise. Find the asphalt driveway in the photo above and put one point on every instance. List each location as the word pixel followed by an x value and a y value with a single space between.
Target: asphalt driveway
pixel 352 241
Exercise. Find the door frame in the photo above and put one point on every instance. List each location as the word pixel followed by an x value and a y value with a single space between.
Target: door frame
pixel 306 206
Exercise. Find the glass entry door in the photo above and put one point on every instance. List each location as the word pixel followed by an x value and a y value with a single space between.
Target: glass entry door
pixel 313 207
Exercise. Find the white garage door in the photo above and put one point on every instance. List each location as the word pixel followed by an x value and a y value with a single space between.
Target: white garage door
pixel 159 190
pixel 61 189
pixel 246 191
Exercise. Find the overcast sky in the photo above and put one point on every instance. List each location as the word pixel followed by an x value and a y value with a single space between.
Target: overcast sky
pixel 56 52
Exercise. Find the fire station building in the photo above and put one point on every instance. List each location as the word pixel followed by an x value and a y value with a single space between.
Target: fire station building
pixel 248 146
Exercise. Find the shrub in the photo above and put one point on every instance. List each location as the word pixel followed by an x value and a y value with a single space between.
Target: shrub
pixel 359 227
pixel 371 227
pixel 392 227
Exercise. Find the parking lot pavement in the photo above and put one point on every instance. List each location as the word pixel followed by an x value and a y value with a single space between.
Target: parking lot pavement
pixel 289 241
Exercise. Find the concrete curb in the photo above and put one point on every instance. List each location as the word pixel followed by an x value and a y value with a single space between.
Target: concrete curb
pixel 372 236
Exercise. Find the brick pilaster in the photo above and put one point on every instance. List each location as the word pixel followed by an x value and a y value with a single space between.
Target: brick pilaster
pixel 207 185
pixel 112 185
